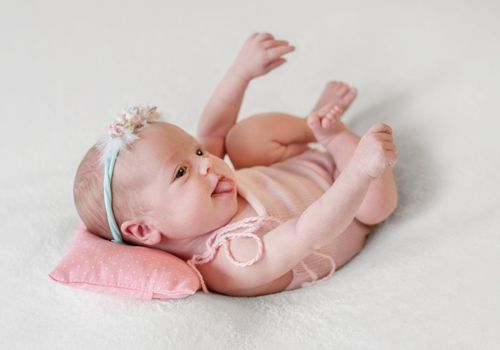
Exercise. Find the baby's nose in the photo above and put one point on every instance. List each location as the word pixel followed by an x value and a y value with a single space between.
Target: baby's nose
pixel 204 165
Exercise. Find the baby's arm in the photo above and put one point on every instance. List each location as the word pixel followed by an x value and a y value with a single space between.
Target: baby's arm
pixel 221 112
pixel 318 225
pixel 259 55
pixel 292 241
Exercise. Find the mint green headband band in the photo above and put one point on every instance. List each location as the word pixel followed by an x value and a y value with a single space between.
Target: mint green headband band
pixel 108 202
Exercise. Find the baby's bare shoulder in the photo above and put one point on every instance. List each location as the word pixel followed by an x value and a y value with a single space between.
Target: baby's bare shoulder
pixel 223 276
pixel 282 250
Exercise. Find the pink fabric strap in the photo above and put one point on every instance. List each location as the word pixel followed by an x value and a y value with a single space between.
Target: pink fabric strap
pixel 225 234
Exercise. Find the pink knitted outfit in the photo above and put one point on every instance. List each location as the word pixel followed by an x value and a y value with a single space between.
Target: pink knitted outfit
pixel 277 193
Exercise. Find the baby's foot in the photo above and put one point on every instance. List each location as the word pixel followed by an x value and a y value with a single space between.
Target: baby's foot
pixel 324 119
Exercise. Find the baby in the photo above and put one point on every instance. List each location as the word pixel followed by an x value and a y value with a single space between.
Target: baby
pixel 287 215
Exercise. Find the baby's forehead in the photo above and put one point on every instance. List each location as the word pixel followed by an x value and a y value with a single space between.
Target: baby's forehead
pixel 167 133
pixel 163 139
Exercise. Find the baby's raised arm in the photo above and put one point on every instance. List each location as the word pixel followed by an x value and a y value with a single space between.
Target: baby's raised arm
pixel 318 225
pixel 260 54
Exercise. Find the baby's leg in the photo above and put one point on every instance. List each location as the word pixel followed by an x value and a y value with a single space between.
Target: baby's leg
pixel 324 121
pixel 267 138
pixel 381 198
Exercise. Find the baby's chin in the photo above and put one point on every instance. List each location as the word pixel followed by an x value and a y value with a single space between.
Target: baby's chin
pixel 227 203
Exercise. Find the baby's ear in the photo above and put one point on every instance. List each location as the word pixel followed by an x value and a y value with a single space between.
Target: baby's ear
pixel 138 230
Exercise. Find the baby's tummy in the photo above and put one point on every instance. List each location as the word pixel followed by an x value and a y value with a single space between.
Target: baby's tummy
pixel 287 188
pixel 314 165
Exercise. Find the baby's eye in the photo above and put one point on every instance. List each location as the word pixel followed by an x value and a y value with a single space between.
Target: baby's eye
pixel 181 172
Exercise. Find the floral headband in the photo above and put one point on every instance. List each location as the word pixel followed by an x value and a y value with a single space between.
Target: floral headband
pixel 121 133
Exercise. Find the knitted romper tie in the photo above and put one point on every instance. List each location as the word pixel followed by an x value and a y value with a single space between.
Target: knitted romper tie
pixel 225 234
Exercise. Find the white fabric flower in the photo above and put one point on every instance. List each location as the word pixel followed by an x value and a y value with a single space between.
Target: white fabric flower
pixel 121 132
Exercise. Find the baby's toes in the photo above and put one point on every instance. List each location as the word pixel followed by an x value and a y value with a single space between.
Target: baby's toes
pixel 349 96
pixel 342 89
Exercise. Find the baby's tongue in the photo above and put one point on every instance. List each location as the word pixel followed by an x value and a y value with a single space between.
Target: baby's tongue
pixel 223 186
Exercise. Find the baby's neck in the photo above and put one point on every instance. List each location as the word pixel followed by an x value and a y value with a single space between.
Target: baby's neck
pixel 185 248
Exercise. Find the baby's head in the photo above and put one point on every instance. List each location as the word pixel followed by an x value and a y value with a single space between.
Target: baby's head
pixel 162 189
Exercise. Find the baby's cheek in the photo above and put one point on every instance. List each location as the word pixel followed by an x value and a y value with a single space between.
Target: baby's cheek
pixel 200 207
pixel 204 218
pixel 199 221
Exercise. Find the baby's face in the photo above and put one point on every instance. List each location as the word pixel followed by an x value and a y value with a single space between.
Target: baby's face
pixel 182 178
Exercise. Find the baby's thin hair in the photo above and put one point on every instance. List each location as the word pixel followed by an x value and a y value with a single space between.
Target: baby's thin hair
pixel 88 194
pixel 89 200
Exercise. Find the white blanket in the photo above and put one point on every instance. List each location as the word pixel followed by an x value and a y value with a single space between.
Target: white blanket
pixel 427 278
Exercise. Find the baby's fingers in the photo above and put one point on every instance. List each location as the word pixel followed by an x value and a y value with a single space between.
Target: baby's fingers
pixel 384 137
pixel 325 123
pixel 389 146
pixel 324 110
pixel 275 64
pixel 380 127
pixel 262 36
pixel 269 44
pixel 278 51
pixel 313 120
pixel 391 153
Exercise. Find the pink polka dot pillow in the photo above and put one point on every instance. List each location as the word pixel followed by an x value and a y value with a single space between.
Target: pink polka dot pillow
pixel 96 264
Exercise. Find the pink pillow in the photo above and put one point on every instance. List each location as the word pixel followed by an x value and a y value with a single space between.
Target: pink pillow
pixel 96 264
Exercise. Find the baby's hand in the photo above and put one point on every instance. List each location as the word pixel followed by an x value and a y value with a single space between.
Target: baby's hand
pixel 376 151
pixel 260 54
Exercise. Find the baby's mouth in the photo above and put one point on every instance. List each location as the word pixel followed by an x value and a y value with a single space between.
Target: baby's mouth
pixel 224 185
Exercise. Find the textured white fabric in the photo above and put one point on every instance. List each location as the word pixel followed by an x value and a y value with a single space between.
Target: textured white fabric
pixel 427 278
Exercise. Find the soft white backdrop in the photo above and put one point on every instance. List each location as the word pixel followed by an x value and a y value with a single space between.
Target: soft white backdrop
pixel 428 277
